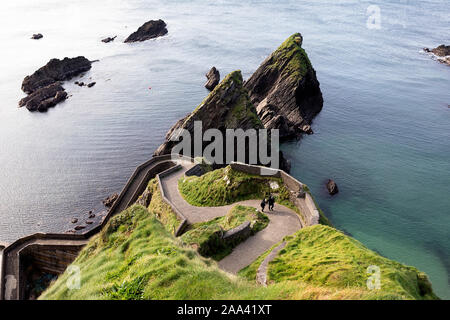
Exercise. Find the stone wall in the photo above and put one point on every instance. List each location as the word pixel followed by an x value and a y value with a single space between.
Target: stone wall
pixel 181 217
pixel 238 234
pixel 36 260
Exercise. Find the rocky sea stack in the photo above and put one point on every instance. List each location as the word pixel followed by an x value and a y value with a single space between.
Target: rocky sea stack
pixel 228 106
pixel 149 30
pixel 43 86
pixel 285 90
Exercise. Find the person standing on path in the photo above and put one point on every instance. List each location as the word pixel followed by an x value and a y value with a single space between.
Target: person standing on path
pixel 263 204
pixel 271 202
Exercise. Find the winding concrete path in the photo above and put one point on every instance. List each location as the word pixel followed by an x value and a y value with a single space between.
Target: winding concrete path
pixel 283 222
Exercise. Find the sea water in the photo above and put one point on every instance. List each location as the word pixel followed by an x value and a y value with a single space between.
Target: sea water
pixel 383 134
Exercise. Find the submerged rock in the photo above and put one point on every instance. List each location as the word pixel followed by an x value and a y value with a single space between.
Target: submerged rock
pixel 285 90
pixel 37 36
pixel 108 202
pixel 227 107
pixel 108 39
pixel 43 86
pixel 149 30
pixel 213 77
pixel 332 187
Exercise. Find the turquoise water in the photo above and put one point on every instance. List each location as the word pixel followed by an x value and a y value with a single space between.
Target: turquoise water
pixel 383 134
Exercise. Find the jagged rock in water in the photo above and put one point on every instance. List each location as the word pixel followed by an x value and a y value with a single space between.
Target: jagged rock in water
pixel 37 36
pixel 213 77
pixel 227 107
pixel 108 39
pixel 285 90
pixel 441 52
pixel 332 187
pixel 43 86
pixel 44 98
pixel 55 70
pixel 149 30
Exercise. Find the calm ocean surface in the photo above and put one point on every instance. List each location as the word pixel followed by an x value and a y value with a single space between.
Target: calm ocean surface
pixel 383 135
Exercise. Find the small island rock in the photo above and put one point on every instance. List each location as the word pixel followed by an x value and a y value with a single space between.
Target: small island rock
pixel 149 30
pixel 108 39
pixel 332 187
pixel 43 86
pixel 37 36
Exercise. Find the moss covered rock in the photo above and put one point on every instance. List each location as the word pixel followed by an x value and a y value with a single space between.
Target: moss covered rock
pixel 285 90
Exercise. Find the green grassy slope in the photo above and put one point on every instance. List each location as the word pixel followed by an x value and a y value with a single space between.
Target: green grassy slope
pixel 226 186
pixel 135 257
pixel 323 256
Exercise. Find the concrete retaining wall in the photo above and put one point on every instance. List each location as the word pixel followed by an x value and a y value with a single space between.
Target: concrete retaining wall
pixel 180 216
pixel 238 234
pixel 52 259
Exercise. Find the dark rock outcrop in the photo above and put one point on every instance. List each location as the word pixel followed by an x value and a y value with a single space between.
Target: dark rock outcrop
pixel 213 77
pixel 44 98
pixel 55 70
pixel 37 36
pixel 43 86
pixel 108 39
pixel 332 187
pixel 227 107
pixel 149 30
pixel 441 52
pixel 108 202
pixel 285 90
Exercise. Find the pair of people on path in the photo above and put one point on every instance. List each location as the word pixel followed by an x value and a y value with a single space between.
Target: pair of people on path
pixel 270 201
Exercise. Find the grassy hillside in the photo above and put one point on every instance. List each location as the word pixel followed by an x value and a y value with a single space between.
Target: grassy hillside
pixel 226 186
pixel 135 257
pixel 323 256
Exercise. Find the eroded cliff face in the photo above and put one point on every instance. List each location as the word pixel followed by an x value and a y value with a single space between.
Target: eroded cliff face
pixel 228 106
pixel 285 90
